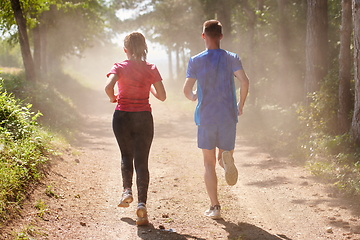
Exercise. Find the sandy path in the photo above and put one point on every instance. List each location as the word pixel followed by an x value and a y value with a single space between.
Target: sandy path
pixel 273 199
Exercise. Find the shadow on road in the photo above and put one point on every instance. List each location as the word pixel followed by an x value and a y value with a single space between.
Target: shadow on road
pixel 151 233
pixel 241 231
pixel 246 231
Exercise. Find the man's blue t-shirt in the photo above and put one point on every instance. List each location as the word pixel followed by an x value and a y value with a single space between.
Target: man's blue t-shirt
pixel 214 71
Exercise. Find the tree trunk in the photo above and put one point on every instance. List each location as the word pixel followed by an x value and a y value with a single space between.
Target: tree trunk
pixel 224 16
pixel 284 57
pixel 316 45
pixel 355 126
pixel 171 74
pixel 177 62
pixel 251 40
pixel 24 41
pixel 37 48
pixel 345 68
pixel 43 50
pixel 260 5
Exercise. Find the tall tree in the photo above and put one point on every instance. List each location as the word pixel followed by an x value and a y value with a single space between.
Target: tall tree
pixel 355 126
pixel 284 52
pixel 222 11
pixel 223 14
pixel 250 24
pixel 52 28
pixel 24 40
pixel 316 44
pixel 176 25
pixel 345 61
pixel 62 37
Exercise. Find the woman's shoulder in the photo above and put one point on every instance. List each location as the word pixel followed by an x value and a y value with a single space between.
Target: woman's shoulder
pixel 122 64
pixel 150 65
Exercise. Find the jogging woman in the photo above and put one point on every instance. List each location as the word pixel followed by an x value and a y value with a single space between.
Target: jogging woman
pixel 132 120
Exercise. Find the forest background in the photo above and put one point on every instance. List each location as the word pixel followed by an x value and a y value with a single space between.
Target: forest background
pixel 302 58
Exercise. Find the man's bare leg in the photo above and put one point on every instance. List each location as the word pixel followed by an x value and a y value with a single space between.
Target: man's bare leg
pixel 210 175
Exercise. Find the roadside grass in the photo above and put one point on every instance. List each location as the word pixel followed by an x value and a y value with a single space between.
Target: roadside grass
pixel 58 111
pixel 24 148
pixel 299 134
pixel 37 121
pixel 29 232
pixel 330 155
pixel 49 191
pixel 41 206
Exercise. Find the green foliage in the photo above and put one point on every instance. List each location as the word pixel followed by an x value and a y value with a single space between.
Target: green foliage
pixel 47 99
pixel 160 22
pixel 308 134
pixel 334 17
pixel 330 156
pixel 90 25
pixel 16 122
pixel 29 232
pixel 320 117
pixel 9 55
pixel 56 18
pixel 319 123
pixel 24 148
pixel 41 206
pixel 49 191
pixel 341 169
pixel 273 127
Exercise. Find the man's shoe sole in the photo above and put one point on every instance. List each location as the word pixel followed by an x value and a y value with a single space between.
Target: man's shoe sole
pixel 231 173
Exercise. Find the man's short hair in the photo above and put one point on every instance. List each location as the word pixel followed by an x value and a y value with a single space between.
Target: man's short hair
pixel 212 28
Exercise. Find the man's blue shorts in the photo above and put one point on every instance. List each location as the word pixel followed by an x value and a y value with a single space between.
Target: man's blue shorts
pixel 217 135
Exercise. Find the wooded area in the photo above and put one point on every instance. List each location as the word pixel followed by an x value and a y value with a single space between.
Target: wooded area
pixel 291 49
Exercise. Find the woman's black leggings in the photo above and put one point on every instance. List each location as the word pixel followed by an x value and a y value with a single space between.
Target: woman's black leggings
pixel 134 133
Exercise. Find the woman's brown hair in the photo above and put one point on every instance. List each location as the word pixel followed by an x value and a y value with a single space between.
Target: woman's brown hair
pixel 135 43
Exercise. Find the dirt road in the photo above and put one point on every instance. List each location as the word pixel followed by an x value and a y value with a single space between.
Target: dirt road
pixel 272 200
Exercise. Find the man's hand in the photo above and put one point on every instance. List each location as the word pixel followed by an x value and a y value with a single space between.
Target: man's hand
pixel 188 92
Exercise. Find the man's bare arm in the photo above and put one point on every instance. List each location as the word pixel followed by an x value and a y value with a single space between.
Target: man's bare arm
pixel 188 89
pixel 244 89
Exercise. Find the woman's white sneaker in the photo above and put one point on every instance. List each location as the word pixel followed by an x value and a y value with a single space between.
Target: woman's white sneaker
pixel 126 198
pixel 142 217
pixel 213 212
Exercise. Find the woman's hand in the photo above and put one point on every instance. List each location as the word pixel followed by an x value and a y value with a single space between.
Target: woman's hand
pixel 158 90
pixel 109 87
pixel 113 99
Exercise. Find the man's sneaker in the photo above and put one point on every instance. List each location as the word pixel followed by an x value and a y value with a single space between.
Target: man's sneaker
pixel 126 198
pixel 142 217
pixel 231 173
pixel 213 212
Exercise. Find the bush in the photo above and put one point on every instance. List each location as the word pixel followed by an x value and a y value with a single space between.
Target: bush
pixel 330 156
pixel 308 134
pixel 24 147
pixel 58 111
pixel 271 126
